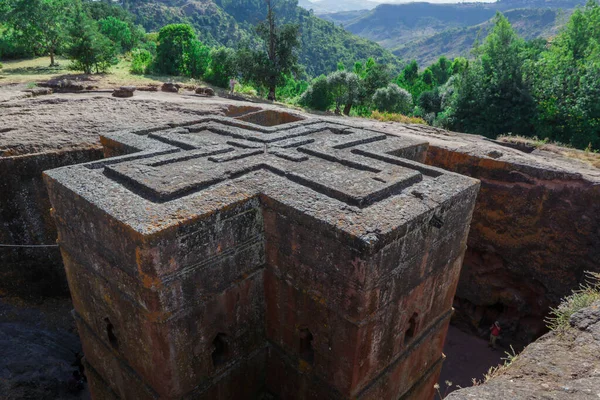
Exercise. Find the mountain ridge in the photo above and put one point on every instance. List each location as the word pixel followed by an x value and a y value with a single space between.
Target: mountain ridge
pixel 231 23
pixel 424 31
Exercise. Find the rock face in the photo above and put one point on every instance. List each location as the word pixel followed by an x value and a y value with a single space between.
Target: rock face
pixel 124 91
pixel 38 346
pixel 40 91
pixel 36 268
pixel 170 87
pixel 205 91
pixel 535 231
pixel 218 259
pixel 66 85
pixel 41 134
pixel 556 366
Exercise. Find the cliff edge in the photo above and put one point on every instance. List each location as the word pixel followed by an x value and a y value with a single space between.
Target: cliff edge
pixel 562 364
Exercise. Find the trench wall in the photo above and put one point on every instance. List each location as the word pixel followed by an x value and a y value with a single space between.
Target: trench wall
pixel 25 220
pixel 534 234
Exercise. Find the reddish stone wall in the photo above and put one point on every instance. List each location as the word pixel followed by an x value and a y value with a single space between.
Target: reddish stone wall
pixel 25 220
pixel 535 230
pixel 315 263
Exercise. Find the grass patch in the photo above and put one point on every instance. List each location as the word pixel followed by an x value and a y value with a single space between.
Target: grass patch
pixel 392 117
pixel 587 156
pixel 38 70
pixel 588 293
pixel 495 371
pixel 34 69
pixel 529 141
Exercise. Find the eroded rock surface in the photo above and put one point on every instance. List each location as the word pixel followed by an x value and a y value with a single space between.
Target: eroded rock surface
pixel 270 251
pixel 558 366
pixel 38 344
pixel 535 230
pixel 50 132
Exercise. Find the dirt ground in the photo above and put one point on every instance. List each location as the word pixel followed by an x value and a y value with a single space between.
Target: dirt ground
pixel 468 357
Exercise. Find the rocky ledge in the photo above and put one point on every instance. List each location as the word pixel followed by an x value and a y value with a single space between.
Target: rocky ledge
pixel 560 365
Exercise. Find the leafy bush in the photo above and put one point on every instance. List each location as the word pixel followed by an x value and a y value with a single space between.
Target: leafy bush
pixel 222 66
pixel 90 51
pixel 393 99
pixel 345 88
pixel 317 96
pixel 245 89
pixel 141 61
pixel 292 88
pixel 175 43
pixel 199 59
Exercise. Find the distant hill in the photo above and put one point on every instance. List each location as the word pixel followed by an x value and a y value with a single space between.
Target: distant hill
pixel 332 6
pixel 424 31
pixel 392 25
pixel 231 22
pixel 529 23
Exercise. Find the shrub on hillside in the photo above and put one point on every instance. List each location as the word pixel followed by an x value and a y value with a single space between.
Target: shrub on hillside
pixel 141 61
pixel 199 59
pixel 223 66
pixel 392 117
pixel 90 51
pixel 393 99
pixel 175 43
pixel 345 87
pixel 317 96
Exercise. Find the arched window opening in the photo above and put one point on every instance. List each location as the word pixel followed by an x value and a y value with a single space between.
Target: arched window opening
pixel 307 352
pixel 110 333
pixel 220 352
pixel 412 328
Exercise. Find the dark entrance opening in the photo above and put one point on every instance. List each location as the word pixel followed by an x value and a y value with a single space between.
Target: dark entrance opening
pixel 412 328
pixel 307 352
pixel 110 333
pixel 220 353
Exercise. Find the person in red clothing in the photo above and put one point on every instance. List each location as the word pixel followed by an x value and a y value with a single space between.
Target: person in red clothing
pixel 494 334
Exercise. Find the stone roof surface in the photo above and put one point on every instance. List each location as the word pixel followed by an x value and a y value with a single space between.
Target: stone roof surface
pixel 361 181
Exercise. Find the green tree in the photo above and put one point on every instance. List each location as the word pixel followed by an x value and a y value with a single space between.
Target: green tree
pixel 199 59
pixel 491 96
pixel 409 74
pixel 317 96
pixel 393 99
pixel 430 101
pixel 89 49
pixel 278 57
pixel 118 31
pixel 566 82
pixel 345 89
pixel 459 65
pixel 43 23
pixel 441 70
pixel 175 43
pixel 223 66
pixel 427 77
pixel 376 76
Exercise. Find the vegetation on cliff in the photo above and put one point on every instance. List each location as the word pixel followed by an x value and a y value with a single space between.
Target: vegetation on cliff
pixel 424 31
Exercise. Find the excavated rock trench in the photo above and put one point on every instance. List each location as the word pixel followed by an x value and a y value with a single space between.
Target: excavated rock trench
pixel 535 231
